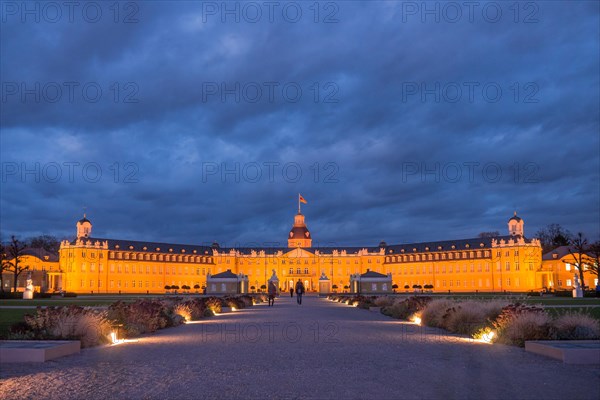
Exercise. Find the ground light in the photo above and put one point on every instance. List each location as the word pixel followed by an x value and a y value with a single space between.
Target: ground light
pixel 488 337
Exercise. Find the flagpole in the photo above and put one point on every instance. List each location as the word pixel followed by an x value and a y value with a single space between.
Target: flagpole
pixel 298 203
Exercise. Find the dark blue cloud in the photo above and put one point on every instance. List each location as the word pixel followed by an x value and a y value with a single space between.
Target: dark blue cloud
pixel 405 130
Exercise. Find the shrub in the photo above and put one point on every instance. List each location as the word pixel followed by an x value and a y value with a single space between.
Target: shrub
pixel 144 316
pixel 247 300
pixel 383 301
pixel 576 326
pixel 518 323
pixel 89 326
pixel 183 310
pixel 465 318
pixel 433 313
pixel 214 304
pixel 405 308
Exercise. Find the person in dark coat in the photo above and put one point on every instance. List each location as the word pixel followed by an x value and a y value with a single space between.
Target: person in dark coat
pixel 292 291
pixel 299 291
pixel 272 293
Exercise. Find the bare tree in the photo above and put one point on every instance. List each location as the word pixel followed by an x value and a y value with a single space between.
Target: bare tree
pixel 46 242
pixel 577 251
pixel 594 256
pixel 15 251
pixel 553 236
pixel 4 264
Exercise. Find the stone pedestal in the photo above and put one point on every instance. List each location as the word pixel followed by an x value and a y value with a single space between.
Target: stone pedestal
pixel 324 285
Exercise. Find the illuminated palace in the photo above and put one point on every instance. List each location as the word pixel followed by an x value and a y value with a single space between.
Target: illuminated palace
pixel 492 264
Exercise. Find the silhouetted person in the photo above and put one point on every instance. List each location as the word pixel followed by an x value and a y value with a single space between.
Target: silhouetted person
pixel 272 290
pixel 299 291
pixel 291 292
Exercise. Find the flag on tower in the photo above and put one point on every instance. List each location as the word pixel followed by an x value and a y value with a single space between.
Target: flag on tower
pixel 302 199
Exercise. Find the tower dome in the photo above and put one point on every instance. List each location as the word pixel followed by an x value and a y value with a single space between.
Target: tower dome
pixel 299 234
pixel 84 227
pixel 515 226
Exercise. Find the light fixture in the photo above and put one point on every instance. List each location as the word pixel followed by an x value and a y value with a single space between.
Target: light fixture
pixel 488 336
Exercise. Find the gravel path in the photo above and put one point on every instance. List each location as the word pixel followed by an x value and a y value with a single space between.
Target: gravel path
pixel 320 350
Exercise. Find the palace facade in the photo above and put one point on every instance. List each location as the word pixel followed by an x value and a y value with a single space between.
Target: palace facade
pixel 511 263
pixel 494 264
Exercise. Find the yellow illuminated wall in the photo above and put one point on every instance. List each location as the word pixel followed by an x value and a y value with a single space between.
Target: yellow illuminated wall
pixel 508 263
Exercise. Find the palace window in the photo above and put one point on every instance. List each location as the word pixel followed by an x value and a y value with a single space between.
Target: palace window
pixel 530 266
pixel 567 266
pixel 568 282
pixel 516 265
pixel 101 267
pixel 472 269
pixel 507 281
pixel 306 270
pixel 291 271
pixel 298 270
pixel 507 266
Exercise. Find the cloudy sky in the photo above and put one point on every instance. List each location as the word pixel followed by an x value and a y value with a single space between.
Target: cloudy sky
pixel 397 121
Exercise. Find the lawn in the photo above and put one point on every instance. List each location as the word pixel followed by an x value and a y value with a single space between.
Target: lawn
pixel 563 301
pixel 11 316
pixel 60 302
pixel 593 312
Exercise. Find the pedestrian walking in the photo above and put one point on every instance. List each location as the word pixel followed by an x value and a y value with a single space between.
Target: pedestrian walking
pixel 299 291
pixel 292 292
pixel 272 292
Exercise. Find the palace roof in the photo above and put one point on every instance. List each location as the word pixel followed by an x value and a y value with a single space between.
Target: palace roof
pixel 225 274
pixel 373 274
pixel 559 253
pixel 207 250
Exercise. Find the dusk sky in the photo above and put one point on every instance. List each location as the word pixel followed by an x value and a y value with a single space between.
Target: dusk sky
pixel 191 122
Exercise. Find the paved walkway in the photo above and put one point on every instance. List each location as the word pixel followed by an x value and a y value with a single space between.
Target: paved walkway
pixel 320 350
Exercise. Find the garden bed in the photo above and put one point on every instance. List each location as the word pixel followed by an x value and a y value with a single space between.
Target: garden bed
pixel 93 326
pixel 491 320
